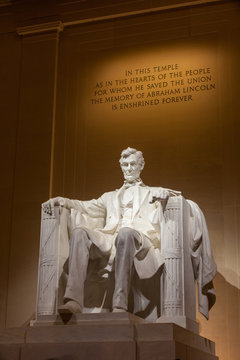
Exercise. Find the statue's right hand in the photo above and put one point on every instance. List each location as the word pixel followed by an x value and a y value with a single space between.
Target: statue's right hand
pixel 48 206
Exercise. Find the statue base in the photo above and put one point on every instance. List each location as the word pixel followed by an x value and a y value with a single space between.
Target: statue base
pixel 181 321
pixel 88 318
pixel 105 336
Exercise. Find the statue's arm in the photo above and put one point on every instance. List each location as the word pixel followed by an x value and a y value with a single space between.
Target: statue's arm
pixel 94 208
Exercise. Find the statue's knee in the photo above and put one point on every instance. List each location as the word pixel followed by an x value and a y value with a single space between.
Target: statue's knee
pixel 79 234
pixel 125 235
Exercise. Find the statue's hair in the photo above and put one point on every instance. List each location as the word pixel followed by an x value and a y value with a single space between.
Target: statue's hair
pixel 130 151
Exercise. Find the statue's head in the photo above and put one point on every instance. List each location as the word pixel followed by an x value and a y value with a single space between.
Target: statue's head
pixel 132 163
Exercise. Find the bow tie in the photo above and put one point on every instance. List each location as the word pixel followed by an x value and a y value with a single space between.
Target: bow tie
pixel 127 184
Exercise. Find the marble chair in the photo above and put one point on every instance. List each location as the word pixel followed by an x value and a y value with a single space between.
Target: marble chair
pixel 167 297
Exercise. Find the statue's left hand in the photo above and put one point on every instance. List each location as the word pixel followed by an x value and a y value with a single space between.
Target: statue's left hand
pixel 160 195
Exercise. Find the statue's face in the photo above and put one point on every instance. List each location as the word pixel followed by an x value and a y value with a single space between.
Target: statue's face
pixel 131 168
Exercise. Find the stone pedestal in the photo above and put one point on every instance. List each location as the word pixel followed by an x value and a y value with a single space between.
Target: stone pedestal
pixel 102 337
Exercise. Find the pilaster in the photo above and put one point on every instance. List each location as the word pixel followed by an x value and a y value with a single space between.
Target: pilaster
pixel 35 141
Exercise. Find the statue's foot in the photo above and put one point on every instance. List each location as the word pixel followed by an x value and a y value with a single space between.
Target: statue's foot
pixel 118 310
pixel 71 307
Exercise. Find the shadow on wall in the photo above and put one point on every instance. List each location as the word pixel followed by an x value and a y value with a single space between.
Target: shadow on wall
pixel 224 322
pixel 230 276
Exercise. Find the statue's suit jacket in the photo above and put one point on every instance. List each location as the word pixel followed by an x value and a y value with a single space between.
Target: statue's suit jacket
pixel 103 216
pixel 105 213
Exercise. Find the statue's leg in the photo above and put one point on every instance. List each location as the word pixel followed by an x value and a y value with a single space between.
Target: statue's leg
pixel 126 243
pixel 79 253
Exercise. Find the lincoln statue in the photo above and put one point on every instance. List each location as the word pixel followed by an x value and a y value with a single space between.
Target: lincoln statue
pixel 130 240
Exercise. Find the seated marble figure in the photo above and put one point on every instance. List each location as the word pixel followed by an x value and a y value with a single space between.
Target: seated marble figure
pixel 130 242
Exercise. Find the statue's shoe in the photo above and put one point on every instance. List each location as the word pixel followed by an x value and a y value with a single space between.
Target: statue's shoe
pixel 71 307
pixel 118 310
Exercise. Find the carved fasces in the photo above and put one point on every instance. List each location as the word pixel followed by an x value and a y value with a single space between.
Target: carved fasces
pixel 48 261
pixel 172 294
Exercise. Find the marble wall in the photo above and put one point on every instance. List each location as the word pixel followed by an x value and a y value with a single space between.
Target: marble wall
pixel 58 137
